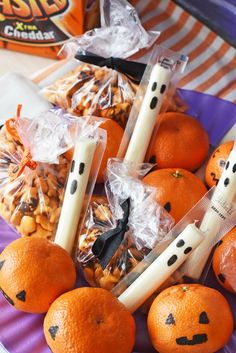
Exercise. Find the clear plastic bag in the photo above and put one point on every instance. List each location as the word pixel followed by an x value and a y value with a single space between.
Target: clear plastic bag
pixel 121 33
pixel 176 103
pixel 102 90
pixel 89 89
pixel 34 169
pixel 143 226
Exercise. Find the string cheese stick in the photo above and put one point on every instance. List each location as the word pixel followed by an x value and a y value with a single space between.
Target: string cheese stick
pixel 162 268
pixel 75 192
pixel 214 218
pixel 158 84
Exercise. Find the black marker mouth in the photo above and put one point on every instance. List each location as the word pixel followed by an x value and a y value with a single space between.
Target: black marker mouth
pixel 197 339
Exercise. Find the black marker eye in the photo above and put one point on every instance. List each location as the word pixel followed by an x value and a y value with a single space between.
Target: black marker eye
pixel 53 331
pixel 180 243
pixel 167 206
pixel 73 187
pixel 81 168
pixel 153 103
pixel 234 168
pixel 21 295
pixel 172 260
pixel 72 166
pixel 188 250
pixel 154 86
pixel 170 320
pixel 163 88
pixel 203 318
pixel 226 182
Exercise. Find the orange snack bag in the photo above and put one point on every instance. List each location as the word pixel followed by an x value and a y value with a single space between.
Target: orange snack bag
pixel 39 27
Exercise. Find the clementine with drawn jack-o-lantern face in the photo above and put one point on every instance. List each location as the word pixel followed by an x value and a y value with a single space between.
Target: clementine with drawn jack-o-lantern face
pixel 189 319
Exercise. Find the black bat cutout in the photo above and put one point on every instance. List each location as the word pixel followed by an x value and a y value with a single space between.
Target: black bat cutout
pixel 106 244
pixel 133 70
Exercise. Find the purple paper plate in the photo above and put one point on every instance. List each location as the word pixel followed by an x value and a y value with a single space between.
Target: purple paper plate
pixel 22 333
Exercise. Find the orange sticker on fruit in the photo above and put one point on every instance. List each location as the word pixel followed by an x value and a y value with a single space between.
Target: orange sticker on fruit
pixel 29 25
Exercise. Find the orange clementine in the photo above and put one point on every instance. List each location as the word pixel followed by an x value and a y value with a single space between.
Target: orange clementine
pixel 181 142
pixel 217 162
pixel 114 137
pixel 178 190
pixel 89 320
pixel 224 261
pixel 187 319
pixel 34 272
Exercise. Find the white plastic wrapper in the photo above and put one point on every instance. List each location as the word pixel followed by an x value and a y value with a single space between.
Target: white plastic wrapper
pixel 54 132
pixel 225 214
pixel 121 184
pixel 130 214
pixel 121 33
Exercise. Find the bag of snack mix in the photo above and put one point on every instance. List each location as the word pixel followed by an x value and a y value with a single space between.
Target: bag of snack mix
pixel 131 215
pixel 34 168
pixel 102 82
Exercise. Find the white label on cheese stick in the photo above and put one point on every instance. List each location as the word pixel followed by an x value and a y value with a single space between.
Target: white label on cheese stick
pixel 219 211
pixel 151 105
pixel 162 268
pixel 75 192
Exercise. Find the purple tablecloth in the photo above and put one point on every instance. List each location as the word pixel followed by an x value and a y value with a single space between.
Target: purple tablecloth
pixel 22 333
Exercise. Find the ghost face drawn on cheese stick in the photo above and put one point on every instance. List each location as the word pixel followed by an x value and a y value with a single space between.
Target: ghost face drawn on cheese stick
pixel 213 219
pixel 158 84
pixel 162 268
pixel 75 192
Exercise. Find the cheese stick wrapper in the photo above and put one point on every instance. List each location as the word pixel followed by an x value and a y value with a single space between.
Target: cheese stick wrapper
pixel 158 84
pixel 162 268
pixel 159 79
pixel 75 193
pixel 16 89
pixel 194 216
pixel 221 208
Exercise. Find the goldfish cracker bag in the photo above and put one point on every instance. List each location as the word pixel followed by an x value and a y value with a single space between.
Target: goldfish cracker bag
pixel 39 27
